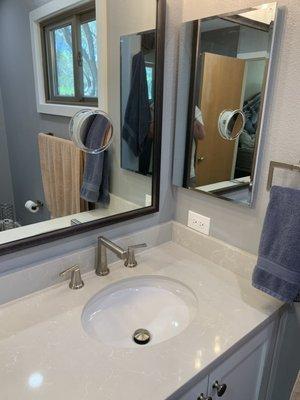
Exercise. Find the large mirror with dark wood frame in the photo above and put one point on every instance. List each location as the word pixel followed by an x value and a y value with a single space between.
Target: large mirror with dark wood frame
pixel 80 116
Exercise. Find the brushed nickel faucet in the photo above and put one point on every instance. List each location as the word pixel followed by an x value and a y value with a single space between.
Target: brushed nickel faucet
pixel 127 255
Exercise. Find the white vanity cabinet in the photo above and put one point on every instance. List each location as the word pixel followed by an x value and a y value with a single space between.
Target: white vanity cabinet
pixel 196 390
pixel 245 371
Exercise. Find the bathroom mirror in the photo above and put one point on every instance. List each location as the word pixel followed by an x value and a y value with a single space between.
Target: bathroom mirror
pixel 137 116
pixel 224 68
pixel 68 102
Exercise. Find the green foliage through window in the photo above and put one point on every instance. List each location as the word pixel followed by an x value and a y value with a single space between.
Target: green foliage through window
pixel 89 56
pixel 71 60
pixel 150 81
pixel 64 61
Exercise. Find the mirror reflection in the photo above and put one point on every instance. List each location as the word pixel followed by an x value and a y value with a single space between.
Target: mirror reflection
pixel 76 135
pixel 137 103
pixel 231 124
pixel 229 67
pixel 91 131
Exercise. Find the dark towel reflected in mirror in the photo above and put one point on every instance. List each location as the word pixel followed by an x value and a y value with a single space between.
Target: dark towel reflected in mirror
pixel 137 101
pixel 92 132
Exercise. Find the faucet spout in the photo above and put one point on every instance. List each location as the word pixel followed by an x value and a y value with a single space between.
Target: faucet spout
pixel 127 255
pixel 101 263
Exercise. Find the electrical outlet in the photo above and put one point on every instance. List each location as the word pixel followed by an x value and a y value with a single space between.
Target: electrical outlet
pixel 199 222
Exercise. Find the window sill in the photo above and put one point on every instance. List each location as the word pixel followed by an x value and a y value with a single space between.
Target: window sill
pixel 64 110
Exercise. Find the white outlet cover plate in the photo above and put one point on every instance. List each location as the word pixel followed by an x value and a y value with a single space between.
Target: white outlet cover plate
pixel 199 223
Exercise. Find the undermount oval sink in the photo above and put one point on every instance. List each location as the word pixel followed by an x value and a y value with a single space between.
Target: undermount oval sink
pixel 150 309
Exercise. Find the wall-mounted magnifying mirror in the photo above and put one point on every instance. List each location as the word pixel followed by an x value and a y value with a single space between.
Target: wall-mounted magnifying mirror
pixel 224 67
pixel 231 124
pixel 91 131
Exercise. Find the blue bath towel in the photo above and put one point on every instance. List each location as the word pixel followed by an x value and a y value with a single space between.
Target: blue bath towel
pixel 278 267
pixel 95 186
pixel 138 114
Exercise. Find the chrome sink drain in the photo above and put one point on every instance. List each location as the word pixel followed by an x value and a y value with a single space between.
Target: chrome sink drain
pixel 142 336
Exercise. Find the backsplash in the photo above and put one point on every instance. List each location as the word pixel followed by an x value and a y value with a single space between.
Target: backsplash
pixel 42 275
pixel 235 260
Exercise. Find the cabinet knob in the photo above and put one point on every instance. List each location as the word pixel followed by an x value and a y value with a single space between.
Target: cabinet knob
pixel 202 397
pixel 221 388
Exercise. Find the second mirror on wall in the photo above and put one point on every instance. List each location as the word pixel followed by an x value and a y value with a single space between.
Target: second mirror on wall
pixel 224 67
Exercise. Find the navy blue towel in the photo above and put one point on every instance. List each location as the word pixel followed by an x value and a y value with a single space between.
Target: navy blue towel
pixel 278 267
pixel 138 114
pixel 95 186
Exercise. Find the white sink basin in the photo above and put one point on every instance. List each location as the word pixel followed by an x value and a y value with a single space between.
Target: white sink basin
pixel 162 306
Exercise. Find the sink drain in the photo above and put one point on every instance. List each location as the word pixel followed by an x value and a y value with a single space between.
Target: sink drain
pixel 142 336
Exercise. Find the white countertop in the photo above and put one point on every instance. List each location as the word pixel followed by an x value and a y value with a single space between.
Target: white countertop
pixel 117 205
pixel 45 354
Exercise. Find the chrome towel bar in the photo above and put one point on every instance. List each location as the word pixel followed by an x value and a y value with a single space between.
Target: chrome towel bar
pixel 281 165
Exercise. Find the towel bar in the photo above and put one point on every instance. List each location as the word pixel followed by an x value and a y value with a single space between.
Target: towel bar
pixel 281 165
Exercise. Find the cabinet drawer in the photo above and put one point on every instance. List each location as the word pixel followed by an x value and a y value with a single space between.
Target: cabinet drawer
pixel 242 372
pixel 242 377
pixel 195 391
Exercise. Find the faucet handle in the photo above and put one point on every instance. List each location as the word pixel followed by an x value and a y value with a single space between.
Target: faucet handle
pixel 130 261
pixel 76 280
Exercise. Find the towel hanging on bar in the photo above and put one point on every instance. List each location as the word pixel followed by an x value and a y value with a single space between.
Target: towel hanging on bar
pixel 62 170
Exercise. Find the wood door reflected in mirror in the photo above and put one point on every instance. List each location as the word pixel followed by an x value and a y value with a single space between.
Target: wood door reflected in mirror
pixel 65 62
pixel 224 64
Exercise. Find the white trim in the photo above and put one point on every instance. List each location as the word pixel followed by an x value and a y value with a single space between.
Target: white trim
pixel 101 18
pixel 36 16
pixel 65 110
pixel 253 55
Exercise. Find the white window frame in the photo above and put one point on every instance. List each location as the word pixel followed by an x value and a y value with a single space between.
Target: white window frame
pixel 50 10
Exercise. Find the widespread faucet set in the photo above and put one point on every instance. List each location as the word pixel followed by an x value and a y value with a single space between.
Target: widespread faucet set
pixel 101 268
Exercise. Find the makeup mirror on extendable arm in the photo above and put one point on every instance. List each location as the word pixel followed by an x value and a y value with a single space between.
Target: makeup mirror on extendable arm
pixel 91 131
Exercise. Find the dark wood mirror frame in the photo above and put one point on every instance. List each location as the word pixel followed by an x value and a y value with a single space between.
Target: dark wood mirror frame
pixel 37 240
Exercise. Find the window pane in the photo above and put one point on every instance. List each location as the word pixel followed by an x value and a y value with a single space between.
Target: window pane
pixel 64 61
pixel 150 81
pixel 89 58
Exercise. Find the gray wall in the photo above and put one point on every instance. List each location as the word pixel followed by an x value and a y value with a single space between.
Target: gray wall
pixel 239 225
pixel 22 121
pixel 6 191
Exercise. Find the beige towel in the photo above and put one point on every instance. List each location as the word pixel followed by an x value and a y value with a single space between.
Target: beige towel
pixel 296 391
pixel 62 169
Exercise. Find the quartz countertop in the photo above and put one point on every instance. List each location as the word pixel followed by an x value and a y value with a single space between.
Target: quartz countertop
pixel 45 354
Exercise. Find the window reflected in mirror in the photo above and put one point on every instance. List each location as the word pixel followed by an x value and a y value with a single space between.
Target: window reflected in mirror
pixel 70 60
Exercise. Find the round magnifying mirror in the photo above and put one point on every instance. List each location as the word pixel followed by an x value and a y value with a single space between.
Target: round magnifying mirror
pixel 231 124
pixel 91 131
